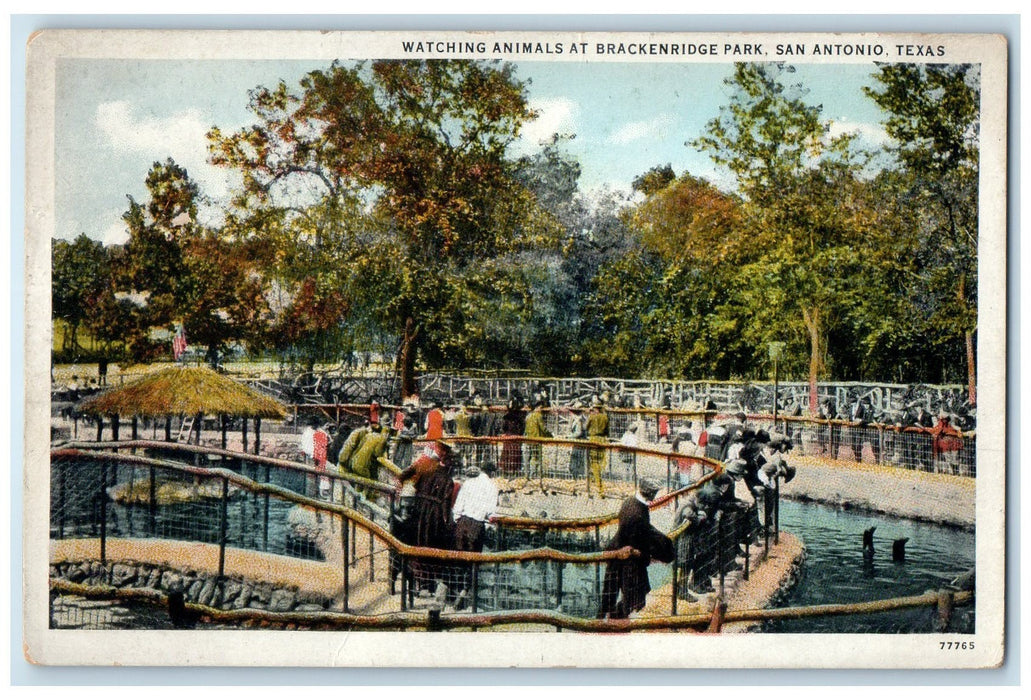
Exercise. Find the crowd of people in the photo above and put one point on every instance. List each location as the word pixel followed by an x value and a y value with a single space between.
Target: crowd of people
pixel 451 494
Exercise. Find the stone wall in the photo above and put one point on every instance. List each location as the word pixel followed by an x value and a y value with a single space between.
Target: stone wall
pixel 202 588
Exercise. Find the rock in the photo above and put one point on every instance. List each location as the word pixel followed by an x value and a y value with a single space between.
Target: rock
pixel 172 582
pixel 77 574
pixel 154 578
pixel 263 592
pixel 282 600
pixel 243 599
pixel 193 592
pixel 231 591
pixel 309 607
pixel 206 594
pixel 122 575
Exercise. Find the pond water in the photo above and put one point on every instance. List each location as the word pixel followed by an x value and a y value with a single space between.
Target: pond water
pixel 835 570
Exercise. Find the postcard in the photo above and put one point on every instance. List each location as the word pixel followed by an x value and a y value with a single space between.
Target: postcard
pixel 515 349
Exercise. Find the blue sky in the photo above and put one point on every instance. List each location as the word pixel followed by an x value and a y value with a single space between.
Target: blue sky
pixel 115 118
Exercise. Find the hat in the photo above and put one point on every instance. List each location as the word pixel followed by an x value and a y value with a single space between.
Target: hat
pixel 472 470
pixel 736 468
pixel 789 473
pixel 724 480
pixel 762 436
pixel 648 487
pixel 741 416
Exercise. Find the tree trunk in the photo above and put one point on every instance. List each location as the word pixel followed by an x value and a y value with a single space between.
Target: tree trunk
pixel 961 294
pixel 971 369
pixel 811 318
pixel 406 357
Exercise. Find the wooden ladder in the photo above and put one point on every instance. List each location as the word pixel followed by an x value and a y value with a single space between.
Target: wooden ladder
pixel 185 428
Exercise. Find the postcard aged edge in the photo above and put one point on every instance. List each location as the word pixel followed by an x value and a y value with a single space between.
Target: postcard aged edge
pixel 374 649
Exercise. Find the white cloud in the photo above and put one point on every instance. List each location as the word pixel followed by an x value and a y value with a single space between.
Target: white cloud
pixel 181 136
pixel 869 134
pixel 555 115
pixel 657 127
pixel 115 233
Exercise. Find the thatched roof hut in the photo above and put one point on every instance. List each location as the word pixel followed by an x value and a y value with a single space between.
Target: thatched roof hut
pixel 175 391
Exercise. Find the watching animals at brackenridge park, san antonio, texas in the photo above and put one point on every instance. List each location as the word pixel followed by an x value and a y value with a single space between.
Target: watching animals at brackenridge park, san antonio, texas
pixel 514 346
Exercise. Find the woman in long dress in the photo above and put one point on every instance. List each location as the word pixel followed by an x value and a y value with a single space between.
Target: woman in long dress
pixel 513 424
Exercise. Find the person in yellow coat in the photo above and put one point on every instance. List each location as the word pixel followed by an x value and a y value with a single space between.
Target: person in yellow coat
pixel 535 428
pixel 597 431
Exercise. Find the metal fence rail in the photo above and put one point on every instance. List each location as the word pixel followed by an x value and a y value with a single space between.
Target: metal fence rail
pixel 104 496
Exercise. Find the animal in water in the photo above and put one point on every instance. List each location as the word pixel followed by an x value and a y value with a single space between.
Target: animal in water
pixel 868 541
pixel 181 618
pixel 898 549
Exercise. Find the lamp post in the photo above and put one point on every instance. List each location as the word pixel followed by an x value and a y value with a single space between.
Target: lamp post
pixel 776 350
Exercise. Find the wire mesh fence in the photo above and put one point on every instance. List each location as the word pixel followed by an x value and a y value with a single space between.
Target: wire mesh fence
pixel 526 563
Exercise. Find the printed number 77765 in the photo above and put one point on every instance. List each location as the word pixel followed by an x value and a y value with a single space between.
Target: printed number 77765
pixel 957 645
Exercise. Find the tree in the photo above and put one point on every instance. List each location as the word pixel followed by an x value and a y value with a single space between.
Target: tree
pixel 80 271
pixel 178 272
pixel 654 180
pixel 794 182
pixel 421 146
pixel 933 118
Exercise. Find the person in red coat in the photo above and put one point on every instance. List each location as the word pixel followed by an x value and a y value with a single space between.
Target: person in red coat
pixel 626 580
pixel 435 422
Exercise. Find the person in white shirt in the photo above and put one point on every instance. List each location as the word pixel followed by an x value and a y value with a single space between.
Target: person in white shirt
pixel 629 457
pixel 477 501
pixel 475 505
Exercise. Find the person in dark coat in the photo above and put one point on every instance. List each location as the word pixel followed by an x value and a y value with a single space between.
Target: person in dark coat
pixel 513 424
pixel 626 580
pixel 830 413
pixel 431 506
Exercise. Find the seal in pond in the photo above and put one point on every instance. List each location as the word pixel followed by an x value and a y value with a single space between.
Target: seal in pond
pixel 898 549
pixel 868 540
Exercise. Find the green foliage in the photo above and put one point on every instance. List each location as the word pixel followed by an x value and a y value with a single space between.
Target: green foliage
pixel 394 178
pixel 381 210
pixel 932 113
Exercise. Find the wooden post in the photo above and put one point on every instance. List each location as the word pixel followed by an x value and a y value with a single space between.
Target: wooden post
pixel 61 469
pixel 152 505
pixel 945 607
pixel 222 423
pixel 135 428
pixel 223 529
pixel 245 434
pixel 347 573
pixel 264 532
pixel 558 585
pixel 102 495
pixel 257 436
pixel 198 422
pixel 115 424
pixel 100 428
pixel 716 621
pixel 168 428
pixel 719 550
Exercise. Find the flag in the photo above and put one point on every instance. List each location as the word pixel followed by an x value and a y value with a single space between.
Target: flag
pixel 179 342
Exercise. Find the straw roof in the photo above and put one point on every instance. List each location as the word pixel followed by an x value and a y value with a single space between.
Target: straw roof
pixel 184 390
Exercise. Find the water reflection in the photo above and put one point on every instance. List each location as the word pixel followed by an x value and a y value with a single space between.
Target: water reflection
pixel 839 570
